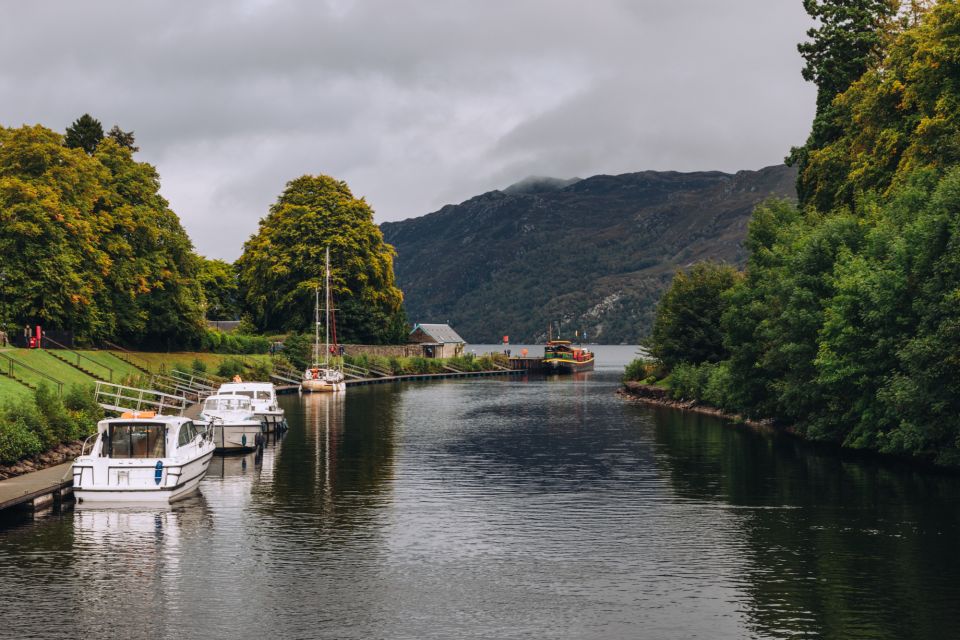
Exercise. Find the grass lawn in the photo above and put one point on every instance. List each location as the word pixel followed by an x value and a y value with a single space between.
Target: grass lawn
pixel 13 390
pixel 46 363
pixel 186 358
pixel 62 372
pixel 121 369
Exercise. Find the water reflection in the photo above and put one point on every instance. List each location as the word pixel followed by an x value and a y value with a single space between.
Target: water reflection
pixel 837 546
pixel 541 507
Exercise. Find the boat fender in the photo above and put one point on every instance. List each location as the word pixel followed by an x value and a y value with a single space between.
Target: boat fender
pixel 158 472
pixel 243 439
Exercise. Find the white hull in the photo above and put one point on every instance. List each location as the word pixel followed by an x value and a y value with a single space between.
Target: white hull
pixel 322 386
pixel 271 418
pixel 236 437
pixel 190 476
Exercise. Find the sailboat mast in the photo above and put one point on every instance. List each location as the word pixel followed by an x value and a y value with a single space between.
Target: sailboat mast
pixel 316 327
pixel 326 306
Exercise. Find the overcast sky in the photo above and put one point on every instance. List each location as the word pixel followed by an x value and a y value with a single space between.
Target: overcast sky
pixel 415 104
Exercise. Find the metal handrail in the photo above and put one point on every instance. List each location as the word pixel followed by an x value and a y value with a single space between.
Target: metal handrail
pixel 79 355
pixel 174 387
pixel 145 366
pixel 194 380
pixel 11 362
pixel 116 397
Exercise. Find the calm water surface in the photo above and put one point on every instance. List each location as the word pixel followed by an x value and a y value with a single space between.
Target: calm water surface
pixel 496 508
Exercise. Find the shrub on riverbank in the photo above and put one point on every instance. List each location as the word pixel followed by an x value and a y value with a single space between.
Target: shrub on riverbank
pixel 220 342
pixel 31 426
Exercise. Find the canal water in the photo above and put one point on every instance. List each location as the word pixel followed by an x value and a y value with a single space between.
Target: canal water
pixel 500 508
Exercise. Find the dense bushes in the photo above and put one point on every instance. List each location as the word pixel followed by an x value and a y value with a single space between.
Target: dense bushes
pixel 220 342
pixel 31 426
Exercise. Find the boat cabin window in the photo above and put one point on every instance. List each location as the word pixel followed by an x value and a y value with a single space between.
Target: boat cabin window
pixel 137 440
pixel 246 394
pixel 228 403
pixel 187 433
pixel 263 395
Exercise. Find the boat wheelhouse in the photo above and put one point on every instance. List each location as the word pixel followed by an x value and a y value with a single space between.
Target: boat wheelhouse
pixel 233 422
pixel 142 457
pixel 263 398
pixel 561 356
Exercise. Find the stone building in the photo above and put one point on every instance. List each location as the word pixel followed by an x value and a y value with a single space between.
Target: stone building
pixel 437 340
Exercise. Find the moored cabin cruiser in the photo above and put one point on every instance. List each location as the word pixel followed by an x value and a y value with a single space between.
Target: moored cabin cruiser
pixel 263 398
pixel 142 457
pixel 233 423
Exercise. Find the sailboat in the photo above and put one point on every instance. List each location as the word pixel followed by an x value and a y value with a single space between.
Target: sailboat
pixel 324 376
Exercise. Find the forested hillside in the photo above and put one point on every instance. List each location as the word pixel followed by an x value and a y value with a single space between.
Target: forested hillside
pixel 596 253
pixel 846 321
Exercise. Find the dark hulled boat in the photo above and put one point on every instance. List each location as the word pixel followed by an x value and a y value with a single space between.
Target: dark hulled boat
pixel 560 356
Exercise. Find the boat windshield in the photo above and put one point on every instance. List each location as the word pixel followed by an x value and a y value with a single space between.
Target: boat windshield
pixel 136 440
pixel 232 403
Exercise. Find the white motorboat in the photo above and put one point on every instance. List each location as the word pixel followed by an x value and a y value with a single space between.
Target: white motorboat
pixel 233 422
pixel 263 397
pixel 142 457
pixel 326 375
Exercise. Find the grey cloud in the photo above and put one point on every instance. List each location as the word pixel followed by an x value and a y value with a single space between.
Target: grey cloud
pixel 415 104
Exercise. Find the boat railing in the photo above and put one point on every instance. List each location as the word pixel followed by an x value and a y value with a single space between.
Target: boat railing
pixel 120 398
pixel 87 446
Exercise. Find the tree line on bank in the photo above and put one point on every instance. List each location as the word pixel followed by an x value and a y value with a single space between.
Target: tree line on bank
pixel 89 246
pixel 845 322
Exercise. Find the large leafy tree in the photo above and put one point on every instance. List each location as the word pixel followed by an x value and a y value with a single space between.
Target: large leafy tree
pixel 283 264
pixel 901 116
pixel 848 40
pixel 219 280
pixel 87 244
pixel 687 324
pixel 154 280
pixel 85 133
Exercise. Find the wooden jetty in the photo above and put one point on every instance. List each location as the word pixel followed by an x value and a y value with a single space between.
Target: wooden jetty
pixel 527 364
pixel 37 489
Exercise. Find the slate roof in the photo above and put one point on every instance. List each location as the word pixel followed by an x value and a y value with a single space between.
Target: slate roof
pixel 441 333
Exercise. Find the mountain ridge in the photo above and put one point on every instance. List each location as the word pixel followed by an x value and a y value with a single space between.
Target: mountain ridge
pixel 595 253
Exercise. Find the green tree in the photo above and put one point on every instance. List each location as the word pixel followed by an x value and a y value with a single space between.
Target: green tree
pixel 154 275
pixel 283 264
pixel 848 40
pixel 123 138
pixel 687 324
pixel 89 245
pixel 85 133
pixel 219 281
pixel 900 116
pixel 49 241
